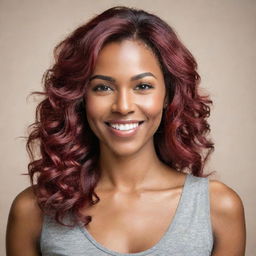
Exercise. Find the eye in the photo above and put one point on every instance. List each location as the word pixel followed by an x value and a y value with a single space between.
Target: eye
pixel 101 87
pixel 144 86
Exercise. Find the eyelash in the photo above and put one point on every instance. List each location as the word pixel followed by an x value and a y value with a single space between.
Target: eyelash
pixel 106 86
pixel 146 84
pixel 99 86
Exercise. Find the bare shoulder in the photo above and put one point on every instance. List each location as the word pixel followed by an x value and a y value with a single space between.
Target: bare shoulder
pixel 224 200
pixel 228 220
pixel 24 224
pixel 25 204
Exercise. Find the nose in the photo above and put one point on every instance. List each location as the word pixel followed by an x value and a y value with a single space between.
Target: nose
pixel 123 103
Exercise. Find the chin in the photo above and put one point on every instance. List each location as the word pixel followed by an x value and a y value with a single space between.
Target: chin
pixel 124 150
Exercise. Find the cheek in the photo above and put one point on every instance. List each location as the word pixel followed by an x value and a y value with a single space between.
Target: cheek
pixel 153 106
pixel 94 112
pixel 94 106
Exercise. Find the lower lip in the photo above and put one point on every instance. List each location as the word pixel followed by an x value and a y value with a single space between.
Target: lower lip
pixel 124 134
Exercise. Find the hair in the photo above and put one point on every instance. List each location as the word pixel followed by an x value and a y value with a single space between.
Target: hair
pixel 65 172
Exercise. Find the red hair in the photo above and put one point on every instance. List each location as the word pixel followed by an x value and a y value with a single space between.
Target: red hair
pixel 66 171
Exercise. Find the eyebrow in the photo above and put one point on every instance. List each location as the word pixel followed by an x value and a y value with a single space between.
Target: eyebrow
pixel 112 80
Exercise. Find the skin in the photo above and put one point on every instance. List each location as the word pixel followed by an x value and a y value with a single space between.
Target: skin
pixel 134 181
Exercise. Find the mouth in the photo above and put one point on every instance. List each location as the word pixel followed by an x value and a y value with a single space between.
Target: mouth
pixel 124 126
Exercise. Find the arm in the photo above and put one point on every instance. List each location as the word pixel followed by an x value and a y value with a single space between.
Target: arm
pixel 228 221
pixel 24 225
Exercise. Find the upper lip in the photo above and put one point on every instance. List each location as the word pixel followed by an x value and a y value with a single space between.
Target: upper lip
pixel 124 121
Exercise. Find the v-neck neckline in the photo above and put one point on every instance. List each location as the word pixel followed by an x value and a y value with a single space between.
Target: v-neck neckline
pixel 154 247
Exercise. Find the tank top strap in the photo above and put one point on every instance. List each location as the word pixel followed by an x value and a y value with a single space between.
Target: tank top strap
pixel 192 218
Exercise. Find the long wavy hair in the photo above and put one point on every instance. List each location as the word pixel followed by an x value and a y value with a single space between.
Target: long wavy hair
pixel 65 172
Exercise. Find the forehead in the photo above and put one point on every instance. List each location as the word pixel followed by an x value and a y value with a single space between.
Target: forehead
pixel 127 57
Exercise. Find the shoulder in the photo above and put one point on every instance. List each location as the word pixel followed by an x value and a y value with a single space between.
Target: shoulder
pixel 224 200
pixel 24 223
pixel 25 204
pixel 228 219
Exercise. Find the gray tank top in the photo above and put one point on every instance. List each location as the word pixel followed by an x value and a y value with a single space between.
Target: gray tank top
pixel 189 234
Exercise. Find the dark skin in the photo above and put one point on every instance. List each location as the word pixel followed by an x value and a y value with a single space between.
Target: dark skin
pixel 134 181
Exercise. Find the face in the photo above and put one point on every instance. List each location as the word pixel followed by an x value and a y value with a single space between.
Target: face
pixel 125 97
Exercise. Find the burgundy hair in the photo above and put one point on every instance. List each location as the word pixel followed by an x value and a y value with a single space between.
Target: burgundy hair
pixel 66 171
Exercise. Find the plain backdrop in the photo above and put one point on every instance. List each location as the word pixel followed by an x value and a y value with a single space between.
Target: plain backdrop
pixel 221 34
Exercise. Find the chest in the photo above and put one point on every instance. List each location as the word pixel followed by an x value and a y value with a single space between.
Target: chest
pixel 132 223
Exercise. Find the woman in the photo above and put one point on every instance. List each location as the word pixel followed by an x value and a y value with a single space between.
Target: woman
pixel 122 135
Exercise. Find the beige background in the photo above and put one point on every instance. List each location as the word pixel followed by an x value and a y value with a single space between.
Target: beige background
pixel 222 36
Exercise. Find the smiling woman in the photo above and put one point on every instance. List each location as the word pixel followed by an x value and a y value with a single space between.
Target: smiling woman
pixel 125 98
pixel 122 133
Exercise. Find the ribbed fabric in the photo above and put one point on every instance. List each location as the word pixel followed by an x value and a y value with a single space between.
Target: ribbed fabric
pixel 189 234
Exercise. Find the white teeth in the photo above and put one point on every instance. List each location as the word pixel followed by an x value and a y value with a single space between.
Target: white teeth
pixel 124 127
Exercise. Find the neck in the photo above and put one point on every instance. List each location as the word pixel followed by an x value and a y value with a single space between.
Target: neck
pixel 129 172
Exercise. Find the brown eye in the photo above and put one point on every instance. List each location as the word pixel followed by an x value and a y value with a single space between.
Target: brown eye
pixel 144 86
pixel 101 87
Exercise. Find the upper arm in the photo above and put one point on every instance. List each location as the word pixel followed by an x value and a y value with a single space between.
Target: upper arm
pixel 228 221
pixel 24 225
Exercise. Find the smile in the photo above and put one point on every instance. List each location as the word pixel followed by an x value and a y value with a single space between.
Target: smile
pixel 124 127
pixel 123 130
